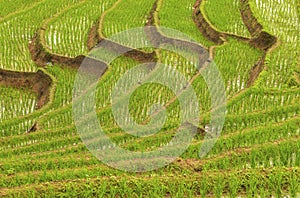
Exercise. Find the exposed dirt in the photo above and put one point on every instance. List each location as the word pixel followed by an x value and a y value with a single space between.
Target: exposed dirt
pixel 256 70
pixel 260 39
pixel 39 82
pixel 42 57
pixel 264 41
pixel 249 20
pixel 151 16
pixel 93 36
pixel 34 128
pixel 157 39
pixel 205 28
pixel 94 40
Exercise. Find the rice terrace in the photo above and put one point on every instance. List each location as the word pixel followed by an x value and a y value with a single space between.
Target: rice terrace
pixel 150 98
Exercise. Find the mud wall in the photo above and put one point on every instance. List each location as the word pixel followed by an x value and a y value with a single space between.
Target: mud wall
pixel 39 82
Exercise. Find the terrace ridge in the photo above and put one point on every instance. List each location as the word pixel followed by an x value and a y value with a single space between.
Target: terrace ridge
pixel 38 82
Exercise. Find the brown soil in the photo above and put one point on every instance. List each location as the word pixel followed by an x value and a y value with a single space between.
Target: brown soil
pixel 260 39
pixel 39 82
pixel 134 54
pixel 264 41
pixel 256 70
pixel 151 18
pixel 94 40
pixel 249 20
pixel 42 57
pixel 34 128
pixel 93 36
pixel 157 39
pixel 205 28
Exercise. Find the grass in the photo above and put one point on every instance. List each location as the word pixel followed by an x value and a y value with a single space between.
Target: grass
pixel 230 23
pixel 179 17
pixel 257 153
pixel 68 32
pixel 15 102
pixel 285 25
pixel 126 15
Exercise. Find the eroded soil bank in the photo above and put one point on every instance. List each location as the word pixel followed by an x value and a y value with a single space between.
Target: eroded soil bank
pixel 94 40
pixel 204 27
pixel 157 39
pixel 39 83
pixel 259 38
pixel 42 57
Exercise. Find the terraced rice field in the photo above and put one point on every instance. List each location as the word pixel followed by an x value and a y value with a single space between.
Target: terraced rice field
pixel 254 44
